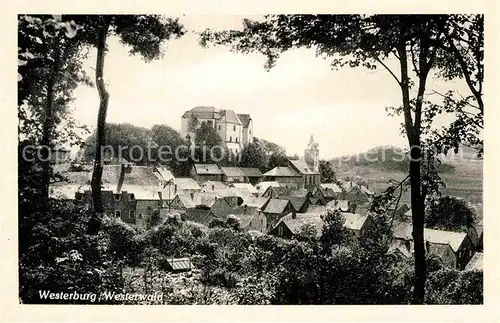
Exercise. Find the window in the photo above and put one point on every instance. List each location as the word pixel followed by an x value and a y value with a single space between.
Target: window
pixel 230 138
pixel 131 214
pixel 250 131
pixel 117 197
pixel 280 230
pixel 234 127
pixel 236 150
pixel 139 216
pixel 219 127
pixel 118 213
pixel 131 197
pixel 261 221
pixel 236 139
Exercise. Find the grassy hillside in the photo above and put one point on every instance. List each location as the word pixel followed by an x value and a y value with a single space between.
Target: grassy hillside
pixel 463 177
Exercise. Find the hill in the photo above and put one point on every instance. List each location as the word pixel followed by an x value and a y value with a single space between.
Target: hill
pixel 463 177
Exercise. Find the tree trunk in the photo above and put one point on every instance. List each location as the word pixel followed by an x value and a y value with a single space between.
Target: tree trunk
pixel 47 127
pixel 417 202
pixel 94 224
pixel 417 210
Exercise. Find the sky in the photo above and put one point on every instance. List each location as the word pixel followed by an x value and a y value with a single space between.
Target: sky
pixel 344 110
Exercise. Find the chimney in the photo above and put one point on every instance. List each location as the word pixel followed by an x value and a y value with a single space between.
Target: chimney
pixel 294 214
pixel 175 189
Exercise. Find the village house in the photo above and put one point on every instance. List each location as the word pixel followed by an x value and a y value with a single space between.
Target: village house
pixel 325 195
pixel 310 175
pixel 201 216
pixel 400 213
pixel 342 206
pixel 300 204
pixel 263 186
pixel 252 175
pixel 284 192
pixel 284 175
pixel 233 174
pixel 275 209
pixel 257 202
pixel 246 189
pixel 332 186
pixel 459 242
pixel 476 262
pixel 187 184
pixel 206 172
pixel 251 220
pixel 291 224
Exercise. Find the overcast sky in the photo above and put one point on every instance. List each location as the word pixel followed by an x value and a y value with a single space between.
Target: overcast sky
pixel 344 109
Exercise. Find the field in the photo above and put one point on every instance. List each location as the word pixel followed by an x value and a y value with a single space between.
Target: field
pixel 466 181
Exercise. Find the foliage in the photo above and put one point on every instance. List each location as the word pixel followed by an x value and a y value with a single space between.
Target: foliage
pixel 450 213
pixel 327 172
pixel 455 287
pixel 175 146
pixel 269 147
pixel 254 156
pixel 125 140
pixel 276 160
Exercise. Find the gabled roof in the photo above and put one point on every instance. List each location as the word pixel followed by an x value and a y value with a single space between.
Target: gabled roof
pixel 186 183
pixel 262 186
pixel 333 186
pixel 354 221
pixel 342 205
pixel 301 219
pixel 365 190
pixel 204 199
pixel 165 173
pixel 199 216
pixel 232 171
pixel 297 202
pixel 230 116
pixel 186 201
pixel 347 185
pixel 403 230
pixel 246 186
pixel 327 192
pixel 245 119
pixel 251 172
pixel 282 172
pixel 301 166
pixel 202 112
pixel 207 169
pixel 476 262
pixel 214 184
pixel 144 192
pixel 258 202
pixel 133 177
pixel 244 219
pixel 320 209
pixel 276 206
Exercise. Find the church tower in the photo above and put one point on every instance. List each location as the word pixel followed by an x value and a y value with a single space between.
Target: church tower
pixel 311 155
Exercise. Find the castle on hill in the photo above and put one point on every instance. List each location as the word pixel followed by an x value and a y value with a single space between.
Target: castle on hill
pixel 236 130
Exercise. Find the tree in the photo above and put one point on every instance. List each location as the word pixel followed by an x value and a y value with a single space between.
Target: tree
pixel 269 147
pixel 49 71
pixel 253 156
pixel 144 34
pixel 415 41
pixel 450 213
pixel 123 139
pixel 326 171
pixel 170 139
pixel 276 160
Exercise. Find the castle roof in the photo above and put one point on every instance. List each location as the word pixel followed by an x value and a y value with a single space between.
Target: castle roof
pixel 282 172
pixel 202 112
pixel 245 119
pixel 230 116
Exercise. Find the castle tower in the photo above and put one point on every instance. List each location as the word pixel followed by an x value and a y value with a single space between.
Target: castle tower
pixel 311 154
